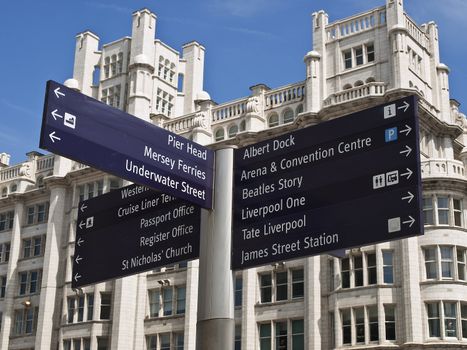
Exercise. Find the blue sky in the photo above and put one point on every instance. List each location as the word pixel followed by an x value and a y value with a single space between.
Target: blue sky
pixel 247 42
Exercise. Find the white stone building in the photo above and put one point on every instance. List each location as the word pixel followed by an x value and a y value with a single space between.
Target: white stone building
pixel 409 293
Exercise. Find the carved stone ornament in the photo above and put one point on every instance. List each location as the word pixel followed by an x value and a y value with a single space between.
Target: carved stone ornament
pixel 252 105
pixel 25 170
pixel 201 120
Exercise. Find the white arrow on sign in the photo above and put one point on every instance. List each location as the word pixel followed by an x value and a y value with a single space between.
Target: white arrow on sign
pixel 83 206
pixel 78 259
pixel 410 222
pixel 409 197
pixel 406 151
pixel 80 240
pixel 55 114
pixel 408 173
pixel 405 106
pixel 406 131
pixel 77 277
pixel 53 137
pixel 81 224
pixel 58 93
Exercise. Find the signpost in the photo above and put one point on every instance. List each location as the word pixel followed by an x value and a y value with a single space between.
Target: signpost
pixel 343 183
pixel 131 230
pixel 88 131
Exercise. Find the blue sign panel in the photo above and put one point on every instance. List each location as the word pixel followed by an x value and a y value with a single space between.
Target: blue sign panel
pixel 88 131
pixel 343 183
pixel 131 230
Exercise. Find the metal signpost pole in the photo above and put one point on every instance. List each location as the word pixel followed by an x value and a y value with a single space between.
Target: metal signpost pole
pixel 216 325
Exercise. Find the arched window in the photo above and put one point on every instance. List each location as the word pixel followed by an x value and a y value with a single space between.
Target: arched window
pixel 370 80
pixel 4 192
pixel 273 120
pixel 347 86
pixel 299 109
pixel 13 188
pixel 288 115
pixel 219 135
pixel 358 83
pixel 233 130
pixel 242 125
pixel 40 182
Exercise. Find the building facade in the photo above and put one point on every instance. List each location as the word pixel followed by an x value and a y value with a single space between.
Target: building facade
pixel 409 293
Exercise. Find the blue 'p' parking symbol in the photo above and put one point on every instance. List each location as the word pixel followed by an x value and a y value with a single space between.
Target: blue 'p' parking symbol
pixel 390 134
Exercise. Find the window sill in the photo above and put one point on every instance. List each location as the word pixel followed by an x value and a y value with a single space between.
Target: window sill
pixel 164 318
pixel 278 303
pixel 356 68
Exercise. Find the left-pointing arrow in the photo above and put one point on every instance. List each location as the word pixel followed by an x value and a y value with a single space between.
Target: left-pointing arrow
pixel 53 137
pixel 55 114
pixel 77 277
pixel 81 224
pixel 58 93
pixel 78 259
pixel 83 206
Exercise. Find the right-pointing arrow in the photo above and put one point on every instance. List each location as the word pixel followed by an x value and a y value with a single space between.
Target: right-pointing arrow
pixel 80 241
pixel 53 137
pixel 409 197
pixel 77 277
pixel 405 106
pixel 410 222
pixel 408 173
pixel 406 131
pixel 406 151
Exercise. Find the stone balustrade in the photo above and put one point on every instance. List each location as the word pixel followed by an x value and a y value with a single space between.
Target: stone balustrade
pixel 362 91
pixel 443 168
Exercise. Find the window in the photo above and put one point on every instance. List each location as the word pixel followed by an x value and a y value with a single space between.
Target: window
pixel 373 323
pixel 2 286
pixel 448 210
pixel 163 302
pixel 238 337
pixel 388 274
pixel 90 190
pixel 443 210
pixel 29 282
pixel 463 320
pixel 281 335
pixel 111 96
pixel 166 341
pixel 281 286
pixel 37 214
pixel 106 299
pixel 359 325
pixel 102 343
pixel 164 102
pixel 358 270
pixel 433 320
pixel 273 120
pixel 370 53
pixel 6 220
pixel 181 295
pixel 265 336
pixel 266 287
pixel 346 327
pixel 298 285
pixel 359 56
pixel 4 252
pixel 233 130
pixel 90 302
pixel 154 303
pixel 348 59
pixel 450 319
pixel 371 267
pixel 446 262
pixel 461 254
pixel 390 322
pixel 25 321
pixel 430 263
pixel 238 290
pixel 33 246
pixel 345 272
pixel 288 116
pixel 219 135
pixel 71 309
pixel 298 335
